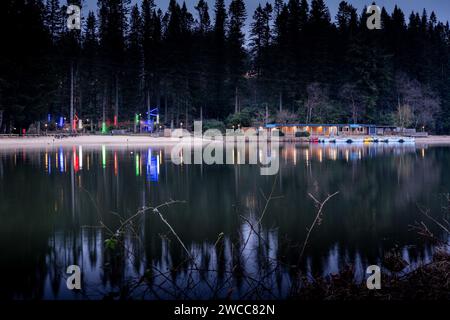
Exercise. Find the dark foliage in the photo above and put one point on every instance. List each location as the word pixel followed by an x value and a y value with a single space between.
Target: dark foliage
pixel 128 59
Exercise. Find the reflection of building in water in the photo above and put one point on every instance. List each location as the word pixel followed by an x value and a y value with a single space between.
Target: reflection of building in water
pixel 333 152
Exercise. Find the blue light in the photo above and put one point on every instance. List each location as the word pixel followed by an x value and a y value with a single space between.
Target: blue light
pixel 61 122
pixel 49 164
pixel 61 159
pixel 149 125
pixel 152 116
pixel 152 167
pixel 154 112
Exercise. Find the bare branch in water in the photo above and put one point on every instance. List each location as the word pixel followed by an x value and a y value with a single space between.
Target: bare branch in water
pixel 155 210
pixel 316 221
pixel 426 213
pixel 268 199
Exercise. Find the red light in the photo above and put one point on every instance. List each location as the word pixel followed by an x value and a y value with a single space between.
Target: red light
pixel 76 161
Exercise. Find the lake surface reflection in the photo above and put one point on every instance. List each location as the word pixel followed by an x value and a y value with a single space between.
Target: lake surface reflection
pixel 54 201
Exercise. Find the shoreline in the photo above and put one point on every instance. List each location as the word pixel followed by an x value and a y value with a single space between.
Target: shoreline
pixel 90 140
pixel 426 282
pixel 433 140
pixel 134 140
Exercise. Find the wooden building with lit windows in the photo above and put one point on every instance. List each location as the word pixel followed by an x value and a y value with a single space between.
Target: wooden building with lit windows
pixel 331 130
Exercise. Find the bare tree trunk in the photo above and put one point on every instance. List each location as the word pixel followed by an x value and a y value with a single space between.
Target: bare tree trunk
pixel 354 116
pixel 186 110
pixel 166 115
pixel 400 113
pixel 116 110
pixel 172 112
pixel 266 118
pixel 281 101
pixel 148 104
pixel 158 98
pixel 104 105
pixel 80 101
pixel 178 114
pixel 308 115
pixel 236 102
pixel 239 104
pixel 71 97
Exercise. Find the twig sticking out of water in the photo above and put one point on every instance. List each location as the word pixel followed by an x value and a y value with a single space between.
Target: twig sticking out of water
pixel 423 230
pixel 268 199
pixel 320 205
pixel 426 213
pixel 156 211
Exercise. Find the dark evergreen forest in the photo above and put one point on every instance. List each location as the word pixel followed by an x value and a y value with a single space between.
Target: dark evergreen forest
pixel 293 63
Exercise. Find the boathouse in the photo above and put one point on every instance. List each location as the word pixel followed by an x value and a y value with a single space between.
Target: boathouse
pixel 327 129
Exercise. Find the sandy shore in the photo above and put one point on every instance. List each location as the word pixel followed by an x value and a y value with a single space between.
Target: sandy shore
pixel 39 142
pixel 133 140
pixel 433 140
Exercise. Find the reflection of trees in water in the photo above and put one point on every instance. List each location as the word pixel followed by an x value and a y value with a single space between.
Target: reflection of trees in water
pixel 378 193
pixel 377 200
pixel 24 232
pixel 231 269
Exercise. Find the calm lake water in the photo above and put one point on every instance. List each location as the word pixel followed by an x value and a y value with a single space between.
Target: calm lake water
pixel 54 201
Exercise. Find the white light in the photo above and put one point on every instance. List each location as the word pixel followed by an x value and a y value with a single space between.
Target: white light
pixel 80 155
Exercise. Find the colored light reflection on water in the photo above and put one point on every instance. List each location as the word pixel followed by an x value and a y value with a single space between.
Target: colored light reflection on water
pixel 137 164
pixel 76 161
pixel 103 156
pixel 61 160
pixel 80 157
pixel 152 166
pixel 48 163
pixel 379 191
pixel 116 164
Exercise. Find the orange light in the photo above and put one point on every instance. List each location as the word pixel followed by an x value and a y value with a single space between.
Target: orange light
pixel 116 164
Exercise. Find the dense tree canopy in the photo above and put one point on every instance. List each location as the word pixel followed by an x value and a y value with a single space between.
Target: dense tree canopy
pixel 293 62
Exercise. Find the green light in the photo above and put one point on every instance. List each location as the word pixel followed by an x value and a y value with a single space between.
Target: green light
pixel 104 156
pixel 137 165
pixel 136 118
pixel 103 127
